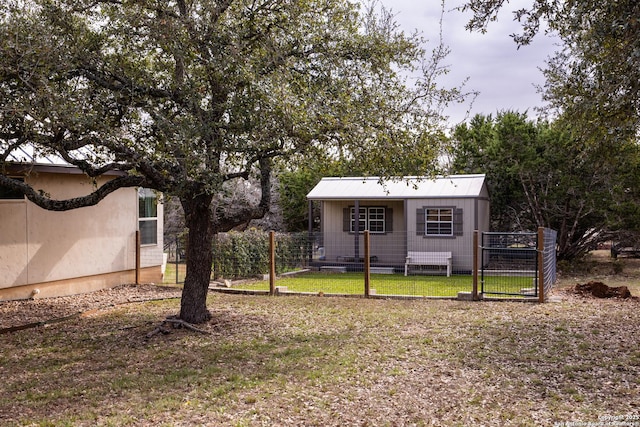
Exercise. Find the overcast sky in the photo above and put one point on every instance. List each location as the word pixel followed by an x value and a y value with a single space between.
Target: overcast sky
pixel 504 75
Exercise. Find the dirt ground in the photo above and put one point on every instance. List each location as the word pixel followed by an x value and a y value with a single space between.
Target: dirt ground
pixel 598 267
pixel 28 312
pixel 317 361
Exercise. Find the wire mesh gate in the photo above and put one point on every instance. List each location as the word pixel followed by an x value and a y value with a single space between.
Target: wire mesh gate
pixel 510 264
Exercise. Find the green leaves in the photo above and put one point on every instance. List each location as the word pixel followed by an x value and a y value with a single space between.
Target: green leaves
pixel 545 174
pixel 592 87
pixel 201 90
pixel 593 78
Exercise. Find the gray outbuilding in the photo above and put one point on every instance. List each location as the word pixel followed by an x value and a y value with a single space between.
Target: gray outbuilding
pixel 403 216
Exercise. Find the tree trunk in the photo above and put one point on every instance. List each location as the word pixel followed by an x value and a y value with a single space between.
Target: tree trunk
pixel 193 307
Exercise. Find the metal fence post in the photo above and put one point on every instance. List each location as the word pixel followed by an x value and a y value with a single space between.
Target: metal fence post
pixel 367 265
pixel 541 295
pixel 272 263
pixel 474 295
pixel 177 258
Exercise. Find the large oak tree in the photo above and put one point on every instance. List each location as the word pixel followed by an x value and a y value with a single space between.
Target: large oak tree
pixel 184 96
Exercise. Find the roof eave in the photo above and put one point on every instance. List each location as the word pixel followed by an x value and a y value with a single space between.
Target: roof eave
pixel 26 168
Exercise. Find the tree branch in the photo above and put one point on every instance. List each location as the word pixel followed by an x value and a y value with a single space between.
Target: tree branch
pixel 226 220
pixel 45 202
pixel 119 83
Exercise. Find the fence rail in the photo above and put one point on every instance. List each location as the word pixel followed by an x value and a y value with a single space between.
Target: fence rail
pixel 319 263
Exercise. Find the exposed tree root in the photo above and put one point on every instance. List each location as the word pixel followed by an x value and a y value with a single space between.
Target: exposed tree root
pixel 175 323
pixel 182 323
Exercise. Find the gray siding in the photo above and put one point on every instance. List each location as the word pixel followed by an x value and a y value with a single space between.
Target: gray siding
pixel 392 247
pixel 461 246
pixel 388 247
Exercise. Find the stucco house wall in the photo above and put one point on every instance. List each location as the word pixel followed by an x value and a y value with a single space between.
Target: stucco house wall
pixel 76 251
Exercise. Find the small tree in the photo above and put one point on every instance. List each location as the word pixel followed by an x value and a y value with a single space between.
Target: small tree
pixel 187 95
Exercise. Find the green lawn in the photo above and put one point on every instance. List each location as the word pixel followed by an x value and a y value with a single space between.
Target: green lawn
pixel 390 284
pixel 170 273
pixel 383 284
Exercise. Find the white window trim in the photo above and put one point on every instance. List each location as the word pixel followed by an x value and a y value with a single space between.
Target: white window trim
pixel 438 222
pixel 148 219
pixel 367 219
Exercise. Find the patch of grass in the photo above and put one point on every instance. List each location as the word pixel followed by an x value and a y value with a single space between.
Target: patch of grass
pixel 170 276
pixel 390 284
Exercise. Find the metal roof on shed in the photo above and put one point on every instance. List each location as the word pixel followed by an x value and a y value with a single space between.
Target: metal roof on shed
pixel 350 188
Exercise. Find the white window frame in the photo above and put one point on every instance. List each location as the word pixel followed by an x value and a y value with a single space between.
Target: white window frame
pixel 145 221
pixel 369 215
pixel 435 219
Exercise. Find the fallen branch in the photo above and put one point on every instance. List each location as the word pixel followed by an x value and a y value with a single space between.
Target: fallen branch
pixel 91 311
pixel 36 324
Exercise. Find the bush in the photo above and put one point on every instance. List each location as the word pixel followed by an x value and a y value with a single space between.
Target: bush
pixel 246 254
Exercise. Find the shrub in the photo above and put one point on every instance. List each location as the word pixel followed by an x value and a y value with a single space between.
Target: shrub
pixel 246 254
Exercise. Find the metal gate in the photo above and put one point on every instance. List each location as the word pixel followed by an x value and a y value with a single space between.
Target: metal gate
pixel 509 264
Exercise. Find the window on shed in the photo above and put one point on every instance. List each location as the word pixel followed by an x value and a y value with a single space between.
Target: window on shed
pixel 148 216
pixel 7 193
pixel 362 220
pixel 439 221
pixel 376 219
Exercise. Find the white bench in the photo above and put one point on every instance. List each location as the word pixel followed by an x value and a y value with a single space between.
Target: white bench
pixel 443 259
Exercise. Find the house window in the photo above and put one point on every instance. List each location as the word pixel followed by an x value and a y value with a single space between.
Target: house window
pixel 148 216
pixel 372 218
pixel 11 194
pixel 439 221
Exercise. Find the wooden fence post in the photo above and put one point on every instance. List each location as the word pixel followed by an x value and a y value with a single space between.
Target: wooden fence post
pixel 272 263
pixel 540 248
pixel 310 233
pixel 474 294
pixel 367 265
pixel 356 232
